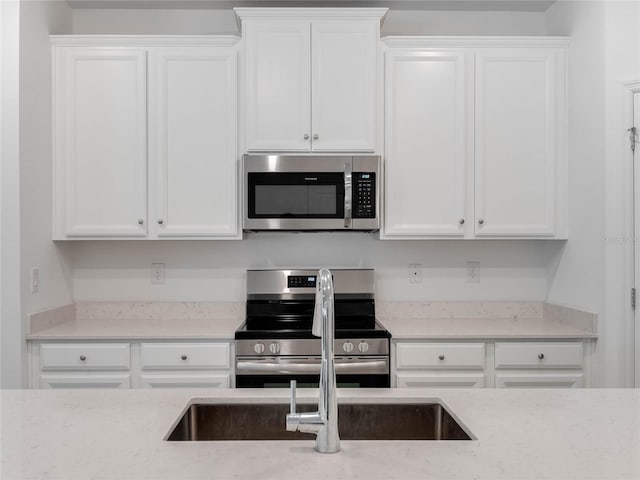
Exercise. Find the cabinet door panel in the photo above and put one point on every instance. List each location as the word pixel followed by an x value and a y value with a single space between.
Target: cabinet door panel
pixel 516 99
pixel 426 143
pixel 344 72
pixel 193 125
pixel 97 380
pixel 103 145
pixel 540 380
pixel 278 86
pixel 435 380
pixel 185 380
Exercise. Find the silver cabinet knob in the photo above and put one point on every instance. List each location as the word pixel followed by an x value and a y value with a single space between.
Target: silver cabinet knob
pixel 160 221
pixel 83 358
pixel 315 136
pixel 140 221
pixel 541 356
pixel 274 348
pixel 441 357
pixel 481 221
pixel 183 357
pixel 461 221
pixel 363 347
pixel 347 347
pixel 258 348
pixel 306 136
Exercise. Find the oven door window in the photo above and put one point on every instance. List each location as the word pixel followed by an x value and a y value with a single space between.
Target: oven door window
pixel 296 195
pixel 311 381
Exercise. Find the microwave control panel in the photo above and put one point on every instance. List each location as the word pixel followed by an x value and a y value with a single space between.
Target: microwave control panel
pixel 364 194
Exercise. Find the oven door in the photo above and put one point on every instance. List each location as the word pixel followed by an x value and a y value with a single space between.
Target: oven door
pixel 276 372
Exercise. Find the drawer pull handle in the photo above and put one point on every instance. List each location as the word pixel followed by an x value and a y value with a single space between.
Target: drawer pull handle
pixel 183 357
pixel 541 356
pixel 83 358
pixel 441 357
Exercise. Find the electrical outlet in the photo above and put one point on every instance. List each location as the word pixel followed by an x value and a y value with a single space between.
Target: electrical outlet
pixel 157 273
pixel 35 280
pixel 473 272
pixel 415 273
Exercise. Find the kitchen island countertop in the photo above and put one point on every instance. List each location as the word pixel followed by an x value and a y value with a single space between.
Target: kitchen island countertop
pixel 119 434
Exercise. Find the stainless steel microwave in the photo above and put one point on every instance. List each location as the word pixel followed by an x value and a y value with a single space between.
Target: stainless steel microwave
pixel 304 192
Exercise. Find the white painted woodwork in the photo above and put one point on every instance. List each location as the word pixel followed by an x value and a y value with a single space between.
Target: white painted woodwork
pixel 278 86
pixel 539 380
pixel 439 380
pixel 527 355
pixel 416 355
pixel 427 149
pixel 198 355
pixel 100 142
pixel 185 380
pixel 69 356
pixel 93 380
pixel 518 92
pixel 344 85
pixel 192 121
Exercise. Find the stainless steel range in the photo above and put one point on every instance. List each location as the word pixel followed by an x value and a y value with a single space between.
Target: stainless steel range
pixel 275 345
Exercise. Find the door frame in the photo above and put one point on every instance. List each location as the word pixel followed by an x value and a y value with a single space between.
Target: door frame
pixel 625 263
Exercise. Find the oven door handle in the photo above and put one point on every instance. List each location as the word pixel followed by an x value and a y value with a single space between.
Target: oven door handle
pixel 376 366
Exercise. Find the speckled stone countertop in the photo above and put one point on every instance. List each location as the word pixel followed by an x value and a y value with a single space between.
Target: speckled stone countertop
pixel 118 434
pixel 219 320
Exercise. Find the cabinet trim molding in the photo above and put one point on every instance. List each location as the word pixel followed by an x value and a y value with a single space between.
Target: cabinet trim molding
pixel 420 41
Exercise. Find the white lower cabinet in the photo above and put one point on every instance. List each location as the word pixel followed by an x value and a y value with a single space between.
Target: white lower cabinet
pixel 473 364
pixel 167 365
pixel 438 364
pixel 131 365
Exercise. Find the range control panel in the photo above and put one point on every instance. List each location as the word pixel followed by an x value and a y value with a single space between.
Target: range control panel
pixel 364 194
pixel 301 281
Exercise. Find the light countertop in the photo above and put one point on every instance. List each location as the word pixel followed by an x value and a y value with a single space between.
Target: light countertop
pixel 118 434
pixel 482 328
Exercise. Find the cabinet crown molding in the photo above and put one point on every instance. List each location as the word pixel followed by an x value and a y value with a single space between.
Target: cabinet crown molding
pixel 422 41
pixel 311 13
pixel 143 40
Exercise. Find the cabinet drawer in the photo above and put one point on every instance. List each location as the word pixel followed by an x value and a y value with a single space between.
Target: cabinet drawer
pixel 440 380
pixel 538 355
pixel 440 355
pixel 75 356
pixel 184 355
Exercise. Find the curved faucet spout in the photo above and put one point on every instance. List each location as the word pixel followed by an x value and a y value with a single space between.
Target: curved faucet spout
pixel 324 422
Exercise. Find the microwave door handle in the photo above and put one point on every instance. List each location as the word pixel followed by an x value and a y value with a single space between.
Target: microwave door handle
pixel 347 195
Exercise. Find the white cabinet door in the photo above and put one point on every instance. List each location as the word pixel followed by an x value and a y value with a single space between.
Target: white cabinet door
pixel 193 141
pixel 344 73
pixel 278 79
pixel 439 380
pixel 518 92
pixel 185 380
pixel 427 105
pixel 93 380
pixel 540 380
pixel 100 123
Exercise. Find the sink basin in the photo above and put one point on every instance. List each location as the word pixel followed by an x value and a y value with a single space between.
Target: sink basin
pixel 398 421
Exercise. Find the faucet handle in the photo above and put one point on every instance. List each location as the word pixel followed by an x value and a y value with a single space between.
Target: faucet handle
pixel 292 401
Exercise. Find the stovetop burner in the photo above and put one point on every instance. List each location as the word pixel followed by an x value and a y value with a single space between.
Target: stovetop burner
pixel 247 332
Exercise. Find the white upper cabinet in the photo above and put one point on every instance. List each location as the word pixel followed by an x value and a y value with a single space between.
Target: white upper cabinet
pixel 136 111
pixel 193 141
pixel 311 79
pixel 475 138
pixel 518 94
pixel 100 145
pixel 427 142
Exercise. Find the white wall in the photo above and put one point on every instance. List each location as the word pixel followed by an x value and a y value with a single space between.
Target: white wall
pixel 37 20
pixel 397 22
pixel 621 65
pixel 10 324
pixel 216 270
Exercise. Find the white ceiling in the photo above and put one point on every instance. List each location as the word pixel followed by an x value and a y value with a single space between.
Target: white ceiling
pixel 469 5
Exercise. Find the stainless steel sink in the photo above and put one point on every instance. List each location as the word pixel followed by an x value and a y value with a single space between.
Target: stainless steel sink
pixel 399 421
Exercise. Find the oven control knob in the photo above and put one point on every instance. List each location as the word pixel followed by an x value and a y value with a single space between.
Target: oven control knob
pixel 363 347
pixel 347 347
pixel 258 348
pixel 274 348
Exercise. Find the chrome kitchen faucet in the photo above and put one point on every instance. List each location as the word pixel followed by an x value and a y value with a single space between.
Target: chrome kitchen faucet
pixel 324 422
